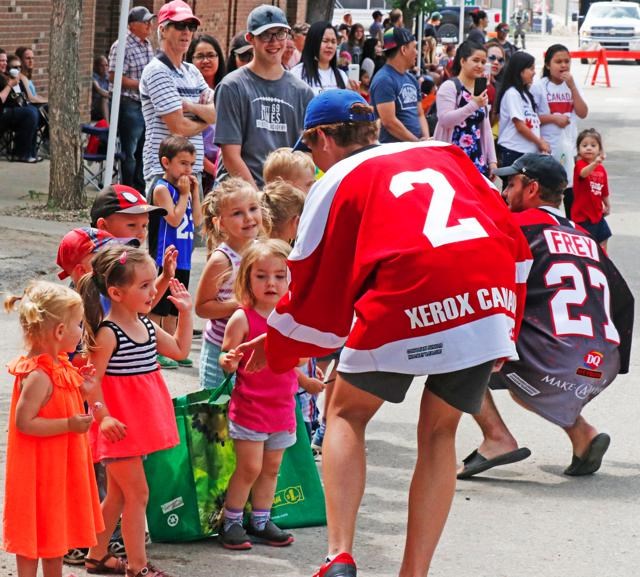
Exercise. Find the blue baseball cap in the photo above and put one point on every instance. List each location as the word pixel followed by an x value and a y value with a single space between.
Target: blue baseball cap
pixel 333 107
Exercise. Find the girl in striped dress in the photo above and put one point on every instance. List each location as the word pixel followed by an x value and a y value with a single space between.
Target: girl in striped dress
pixel 132 409
pixel 232 219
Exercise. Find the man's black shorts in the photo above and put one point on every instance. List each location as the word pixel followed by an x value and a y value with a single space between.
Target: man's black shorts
pixel 463 389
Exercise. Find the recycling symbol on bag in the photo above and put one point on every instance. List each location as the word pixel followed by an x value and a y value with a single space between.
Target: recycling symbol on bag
pixel 173 520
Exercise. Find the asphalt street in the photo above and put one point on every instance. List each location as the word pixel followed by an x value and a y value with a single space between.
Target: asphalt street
pixel 524 520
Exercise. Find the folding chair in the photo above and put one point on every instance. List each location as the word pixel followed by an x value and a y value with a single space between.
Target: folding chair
pixel 6 143
pixel 42 135
pixel 94 155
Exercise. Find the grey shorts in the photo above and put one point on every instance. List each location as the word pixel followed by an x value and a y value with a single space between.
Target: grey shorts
pixel 272 441
pixel 463 389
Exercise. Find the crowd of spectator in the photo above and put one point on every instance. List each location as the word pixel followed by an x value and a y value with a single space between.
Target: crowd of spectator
pixel 494 121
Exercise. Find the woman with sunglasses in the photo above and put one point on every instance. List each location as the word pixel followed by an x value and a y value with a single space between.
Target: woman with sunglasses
pixel 207 56
pixel 318 66
pixel 496 58
pixel 463 115
pixel 240 52
pixel 16 113
pixel 172 91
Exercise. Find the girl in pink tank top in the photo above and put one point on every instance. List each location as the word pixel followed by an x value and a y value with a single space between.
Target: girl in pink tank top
pixel 262 419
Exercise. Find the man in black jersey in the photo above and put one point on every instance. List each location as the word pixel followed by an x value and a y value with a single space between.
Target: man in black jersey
pixel 576 332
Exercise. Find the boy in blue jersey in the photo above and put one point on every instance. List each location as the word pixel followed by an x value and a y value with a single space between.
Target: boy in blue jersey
pixel 177 192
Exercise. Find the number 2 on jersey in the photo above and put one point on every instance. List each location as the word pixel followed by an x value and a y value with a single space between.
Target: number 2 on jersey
pixel 439 209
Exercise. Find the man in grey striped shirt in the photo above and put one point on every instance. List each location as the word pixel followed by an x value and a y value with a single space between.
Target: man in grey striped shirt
pixel 173 92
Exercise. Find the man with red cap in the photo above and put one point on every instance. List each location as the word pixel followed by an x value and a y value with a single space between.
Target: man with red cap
pixel 173 92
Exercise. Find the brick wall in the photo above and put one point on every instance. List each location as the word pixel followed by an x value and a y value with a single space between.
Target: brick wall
pixel 28 23
pixel 107 21
pixel 220 18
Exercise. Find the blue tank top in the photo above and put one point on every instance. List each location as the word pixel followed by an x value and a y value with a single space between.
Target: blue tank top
pixel 181 236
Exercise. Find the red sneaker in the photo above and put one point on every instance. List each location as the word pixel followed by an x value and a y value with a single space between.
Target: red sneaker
pixel 341 566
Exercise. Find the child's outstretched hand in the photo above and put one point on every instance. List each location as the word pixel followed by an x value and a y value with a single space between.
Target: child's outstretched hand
pixel 113 429
pixel 313 386
pixel 257 359
pixel 170 261
pixel 601 158
pixel 79 423
pixel 230 360
pixel 180 296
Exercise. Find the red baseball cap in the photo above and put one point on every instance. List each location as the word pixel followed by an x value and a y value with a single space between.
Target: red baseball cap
pixel 176 11
pixel 79 243
pixel 122 199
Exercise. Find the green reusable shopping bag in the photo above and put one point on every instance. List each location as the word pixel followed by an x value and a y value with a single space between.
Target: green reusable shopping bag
pixel 188 483
pixel 299 498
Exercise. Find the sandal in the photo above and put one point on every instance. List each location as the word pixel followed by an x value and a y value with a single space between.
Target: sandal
pixel 101 567
pixel 147 571
pixel 116 548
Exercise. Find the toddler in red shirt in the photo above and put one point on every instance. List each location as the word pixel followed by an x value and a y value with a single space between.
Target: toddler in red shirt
pixel 591 187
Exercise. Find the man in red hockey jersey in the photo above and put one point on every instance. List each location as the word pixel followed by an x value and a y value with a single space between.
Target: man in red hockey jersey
pixel 576 332
pixel 415 244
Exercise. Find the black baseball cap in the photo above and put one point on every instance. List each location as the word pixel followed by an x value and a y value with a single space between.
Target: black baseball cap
pixel 396 37
pixel 541 167
pixel 140 14
pixel 119 198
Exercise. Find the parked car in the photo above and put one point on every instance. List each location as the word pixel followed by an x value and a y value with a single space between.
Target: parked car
pixel 613 25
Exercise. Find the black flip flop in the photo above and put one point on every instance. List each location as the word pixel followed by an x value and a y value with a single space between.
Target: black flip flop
pixel 592 459
pixel 475 463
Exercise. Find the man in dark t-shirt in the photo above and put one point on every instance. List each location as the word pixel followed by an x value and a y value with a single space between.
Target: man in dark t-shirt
pixel 394 91
pixel 576 331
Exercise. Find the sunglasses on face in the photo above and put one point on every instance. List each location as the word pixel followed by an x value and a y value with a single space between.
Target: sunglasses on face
pixel 494 58
pixel 182 26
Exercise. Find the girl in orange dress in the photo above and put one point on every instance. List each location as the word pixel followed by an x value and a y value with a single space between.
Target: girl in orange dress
pixel 51 499
pixel 132 408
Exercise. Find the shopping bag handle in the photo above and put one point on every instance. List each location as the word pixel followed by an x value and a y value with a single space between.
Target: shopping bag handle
pixel 222 393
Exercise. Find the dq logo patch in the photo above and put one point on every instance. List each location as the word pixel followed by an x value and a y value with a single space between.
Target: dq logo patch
pixel 593 359
pixel 288 496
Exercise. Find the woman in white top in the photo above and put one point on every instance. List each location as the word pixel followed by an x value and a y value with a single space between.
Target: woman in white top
pixel 318 64
pixel 519 122
pixel 560 104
